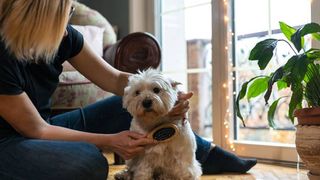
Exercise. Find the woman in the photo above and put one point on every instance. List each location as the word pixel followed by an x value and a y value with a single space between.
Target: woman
pixel 35 41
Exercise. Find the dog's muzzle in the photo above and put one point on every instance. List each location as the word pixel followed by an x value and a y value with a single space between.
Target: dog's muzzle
pixel 147 103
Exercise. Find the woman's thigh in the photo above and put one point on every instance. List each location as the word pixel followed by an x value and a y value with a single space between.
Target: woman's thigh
pixel 23 158
pixel 105 116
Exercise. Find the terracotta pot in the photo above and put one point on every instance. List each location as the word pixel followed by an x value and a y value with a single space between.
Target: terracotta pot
pixel 308 139
pixel 308 116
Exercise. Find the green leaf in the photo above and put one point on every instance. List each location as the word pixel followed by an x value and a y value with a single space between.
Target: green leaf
pixel 296 68
pixel 257 87
pixel 312 85
pixel 316 36
pixel 288 79
pixel 263 52
pixel 240 96
pixel 277 75
pixel 310 28
pixel 272 111
pixel 296 99
pixel 313 54
pixel 287 30
pixel 281 85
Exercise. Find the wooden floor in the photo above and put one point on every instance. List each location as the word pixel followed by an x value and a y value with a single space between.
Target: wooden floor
pixel 259 172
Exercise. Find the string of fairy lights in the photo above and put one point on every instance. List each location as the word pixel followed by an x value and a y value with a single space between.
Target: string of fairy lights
pixel 226 86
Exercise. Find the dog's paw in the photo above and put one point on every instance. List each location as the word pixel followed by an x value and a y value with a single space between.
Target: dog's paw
pixel 122 175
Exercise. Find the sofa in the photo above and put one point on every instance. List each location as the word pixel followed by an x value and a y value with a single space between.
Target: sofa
pixel 136 51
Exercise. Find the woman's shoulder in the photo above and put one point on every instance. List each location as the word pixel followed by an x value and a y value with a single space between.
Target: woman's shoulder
pixel 3 49
pixel 73 34
pixel 72 44
pixel 6 58
pixel 4 53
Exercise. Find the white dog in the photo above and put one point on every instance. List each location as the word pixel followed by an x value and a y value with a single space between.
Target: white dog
pixel 148 97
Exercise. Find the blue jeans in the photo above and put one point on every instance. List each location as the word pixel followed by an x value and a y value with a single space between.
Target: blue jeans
pixel 23 158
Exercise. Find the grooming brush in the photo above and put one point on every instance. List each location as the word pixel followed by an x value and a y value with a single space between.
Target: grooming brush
pixel 164 132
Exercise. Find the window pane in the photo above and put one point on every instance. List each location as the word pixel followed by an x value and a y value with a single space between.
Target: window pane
pixel 186 44
pixel 171 5
pixel 189 3
pixel 200 114
pixel 175 5
pixel 295 13
pixel 173 42
pixel 251 16
pixel 198 22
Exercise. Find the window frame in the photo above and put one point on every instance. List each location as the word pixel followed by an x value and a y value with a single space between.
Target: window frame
pixel 266 151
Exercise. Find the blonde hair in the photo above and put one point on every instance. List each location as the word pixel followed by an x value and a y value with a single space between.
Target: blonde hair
pixel 33 29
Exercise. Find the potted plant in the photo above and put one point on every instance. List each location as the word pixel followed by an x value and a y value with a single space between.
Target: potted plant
pixel 301 74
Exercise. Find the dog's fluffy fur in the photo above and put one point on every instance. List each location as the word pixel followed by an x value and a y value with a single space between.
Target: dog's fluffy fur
pixel 174 159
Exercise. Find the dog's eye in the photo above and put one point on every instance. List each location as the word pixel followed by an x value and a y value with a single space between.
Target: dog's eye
pixel 156 90
pixel 137 93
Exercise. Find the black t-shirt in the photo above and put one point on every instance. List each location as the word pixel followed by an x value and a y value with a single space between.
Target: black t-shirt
pixel 38 81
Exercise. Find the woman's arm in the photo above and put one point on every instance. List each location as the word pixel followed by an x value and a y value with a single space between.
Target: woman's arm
pixel 21 114
pixel 99 72
pixel 108 78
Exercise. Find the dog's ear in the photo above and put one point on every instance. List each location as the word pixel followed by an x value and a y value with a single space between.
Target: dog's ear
pixel 174 84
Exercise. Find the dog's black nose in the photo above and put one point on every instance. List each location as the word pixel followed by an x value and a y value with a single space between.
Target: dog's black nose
pixel 147 103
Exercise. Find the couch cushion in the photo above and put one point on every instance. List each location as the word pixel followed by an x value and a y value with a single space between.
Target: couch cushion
pixel 93 35
pixel 84 15
pixel 77 95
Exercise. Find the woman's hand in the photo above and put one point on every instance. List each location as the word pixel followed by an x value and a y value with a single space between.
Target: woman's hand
pixel 129 144
pixel 179 111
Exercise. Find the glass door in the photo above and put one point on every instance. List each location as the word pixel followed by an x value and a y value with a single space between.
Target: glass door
pixel 249 27
pixel 185 31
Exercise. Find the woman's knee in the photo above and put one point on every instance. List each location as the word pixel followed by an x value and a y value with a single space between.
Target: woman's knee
pixel 90 164
pixel 85 162
pixel 51 160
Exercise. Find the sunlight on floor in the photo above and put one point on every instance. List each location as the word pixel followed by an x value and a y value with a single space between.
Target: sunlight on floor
pixel 259 172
